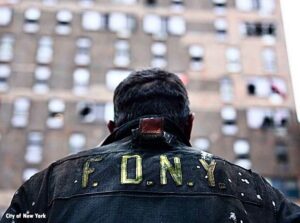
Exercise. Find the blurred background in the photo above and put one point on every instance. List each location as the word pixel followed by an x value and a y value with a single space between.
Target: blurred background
pixel 60 61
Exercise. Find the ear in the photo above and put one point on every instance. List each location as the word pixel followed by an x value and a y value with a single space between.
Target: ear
pixel 111 126
pixel 189 125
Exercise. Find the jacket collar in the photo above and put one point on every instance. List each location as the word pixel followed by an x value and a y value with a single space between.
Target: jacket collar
pixel 132 128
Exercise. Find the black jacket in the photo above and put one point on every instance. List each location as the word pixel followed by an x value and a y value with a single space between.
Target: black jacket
pixel 146 171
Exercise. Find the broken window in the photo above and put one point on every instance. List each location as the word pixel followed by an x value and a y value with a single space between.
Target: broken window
pixel 91 112
pixel 196 53
pixel 31 20
pixel 267 118
pixel 64 20
pixel 5 73
pixel 42 75
pixel 258 29
pixel 229 118
pixel 150 2
pixel 56 109
pixel 122 53
pixel 159 52
pixel 83 48
pixel 272 88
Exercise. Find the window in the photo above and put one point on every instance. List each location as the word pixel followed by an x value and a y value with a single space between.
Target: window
pixel 49 2
pixel 125 2
pixel 90 112
pixel 267 6
pixel 34 149
pixel 196 53
pixel 114 77
pixel 41 75
pixel 86 3
pixel 233 56
pixel 5 72
pixel 64 19
pixel 176 25
pixel 56 109
pixel 44 53
pixel 226 90
pixel 281 152
pixel 177 5
pixel 6 48
pixel 272 88
pixel 77 142
pixel 122 53
pixel 82 56
pixel 21 112
pixel 221 29
pixel 219 6
pixel 29 172
pixel 31 20
pixel 155 25
pixel 121 23
pixel 258 29
pixel 229 117
pixel 241 149
pixel 5 15
pixel 263 6
pixel 267 118
pixel 247 5
pixel 81 78
pixel 201 143
pixel 150 2
pixel 269 60
pixel 289 187
pixel 92 21
pixel 159 51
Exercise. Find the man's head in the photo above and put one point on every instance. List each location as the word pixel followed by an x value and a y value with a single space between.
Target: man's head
pixel 152 92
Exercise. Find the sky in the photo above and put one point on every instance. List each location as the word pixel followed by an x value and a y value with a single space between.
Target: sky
pixel 291 18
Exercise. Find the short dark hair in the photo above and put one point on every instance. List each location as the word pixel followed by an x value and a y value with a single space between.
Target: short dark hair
pixel 151 92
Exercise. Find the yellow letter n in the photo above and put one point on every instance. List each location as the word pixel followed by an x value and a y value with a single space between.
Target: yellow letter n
pixel 175 171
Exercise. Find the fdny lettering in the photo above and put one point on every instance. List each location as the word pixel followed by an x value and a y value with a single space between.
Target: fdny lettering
pixel 175 171
pixel 167 166
pixel 87 170
pixel 138 170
